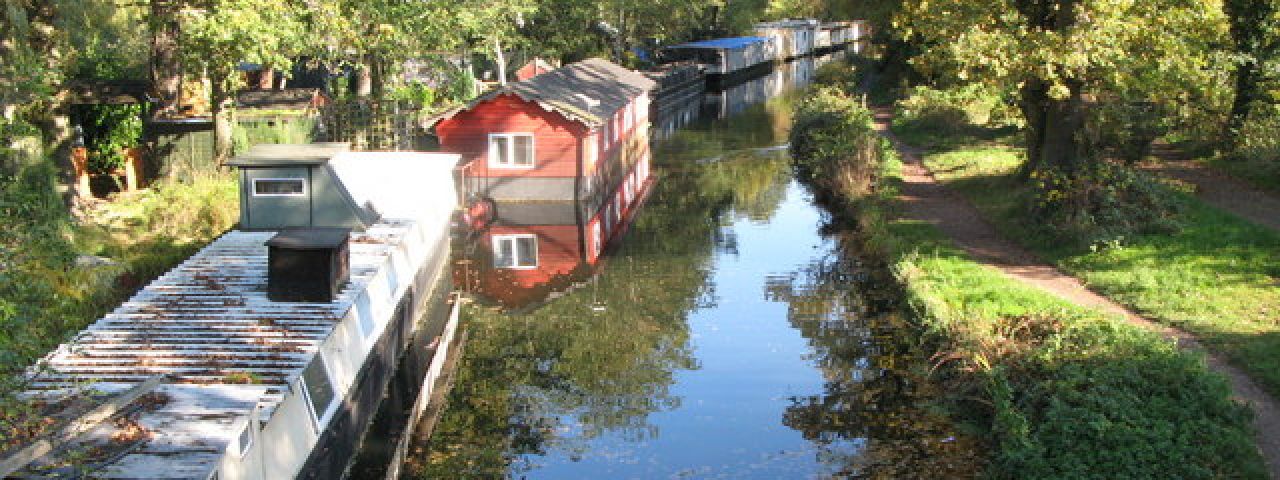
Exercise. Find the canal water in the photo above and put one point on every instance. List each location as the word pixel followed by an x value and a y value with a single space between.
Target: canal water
pixel 734 332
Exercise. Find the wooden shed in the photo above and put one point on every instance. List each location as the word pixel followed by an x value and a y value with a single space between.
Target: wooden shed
pixel 578 133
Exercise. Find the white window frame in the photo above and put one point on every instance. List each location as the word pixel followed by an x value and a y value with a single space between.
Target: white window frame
pixel 317 419
pixel 597 241
pixel 300 180
pixel 628 188
pixel 242 448
pixel 515 253
pixel 511 150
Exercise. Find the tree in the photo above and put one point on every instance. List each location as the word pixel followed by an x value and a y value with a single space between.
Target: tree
pixel 165 67
pixel 216 39
pixel 1063 55
pixel 1255 36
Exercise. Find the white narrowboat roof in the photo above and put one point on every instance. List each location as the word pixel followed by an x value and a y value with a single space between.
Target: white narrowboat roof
pixel 208 325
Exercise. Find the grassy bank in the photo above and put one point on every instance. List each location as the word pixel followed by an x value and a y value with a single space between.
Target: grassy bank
pixel 1058 390
pixel 1218 277
pixel 1263 173
pixel 58 274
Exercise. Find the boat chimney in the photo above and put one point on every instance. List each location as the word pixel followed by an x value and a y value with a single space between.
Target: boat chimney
pixel 307 264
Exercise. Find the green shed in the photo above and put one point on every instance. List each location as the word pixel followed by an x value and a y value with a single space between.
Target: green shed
pixel 327 185
pixel 294 186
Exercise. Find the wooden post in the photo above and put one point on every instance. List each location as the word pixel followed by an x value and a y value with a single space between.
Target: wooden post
pixel 20 459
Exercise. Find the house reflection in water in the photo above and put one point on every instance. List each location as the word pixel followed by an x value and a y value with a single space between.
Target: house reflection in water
pixel 555 166
pixel 532 253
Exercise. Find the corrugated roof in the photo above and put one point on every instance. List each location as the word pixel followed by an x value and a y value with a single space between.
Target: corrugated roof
pixel 586 92
pixel 208 325
pixel 722 43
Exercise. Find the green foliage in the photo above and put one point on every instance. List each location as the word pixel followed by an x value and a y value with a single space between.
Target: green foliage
pixel 840 73
pixel 957 109
pixel 109 129
pixel 416 93
pixel 1256 158
pixel 279 129
pixel 833 144
pixel 1124 130
pixel 1106 202
pixel 216 39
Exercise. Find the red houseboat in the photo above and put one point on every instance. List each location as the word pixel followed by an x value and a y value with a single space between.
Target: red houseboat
pixel 577 133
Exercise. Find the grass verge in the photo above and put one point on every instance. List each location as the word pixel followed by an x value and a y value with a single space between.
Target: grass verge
pixel 1059 391
pixel 1261 173
pixel 1218 277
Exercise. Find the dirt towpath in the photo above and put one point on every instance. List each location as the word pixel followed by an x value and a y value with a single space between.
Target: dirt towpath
pixel 927 200
pixel 1218 189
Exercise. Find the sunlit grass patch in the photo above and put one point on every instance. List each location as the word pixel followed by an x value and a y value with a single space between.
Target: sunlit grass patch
pixel 1063 391
pixel 1218 277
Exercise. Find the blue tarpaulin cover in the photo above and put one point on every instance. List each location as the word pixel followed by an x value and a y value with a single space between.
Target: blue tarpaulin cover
pixel 723 43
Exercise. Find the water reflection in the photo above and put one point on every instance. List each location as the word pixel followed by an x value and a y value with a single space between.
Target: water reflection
pixel 725 338
pixel 868 420
pixel 530 253
pixel 737 99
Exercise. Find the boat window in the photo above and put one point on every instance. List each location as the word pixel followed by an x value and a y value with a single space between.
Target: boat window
pixel 318 389
pixel 279 187
pixel 245 439
pixel 511 150
pixel 515 251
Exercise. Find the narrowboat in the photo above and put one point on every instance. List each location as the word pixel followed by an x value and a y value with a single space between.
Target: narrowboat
pixel 275 343
pixel 792 38
pixel 727 61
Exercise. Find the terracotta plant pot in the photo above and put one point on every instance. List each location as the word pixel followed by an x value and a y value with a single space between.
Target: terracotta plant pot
pixel 133 169
pixel 80 163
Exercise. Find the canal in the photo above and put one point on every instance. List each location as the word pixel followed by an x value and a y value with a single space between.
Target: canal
pixel 735 331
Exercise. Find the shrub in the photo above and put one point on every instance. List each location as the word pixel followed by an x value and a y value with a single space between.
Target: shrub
pixel 1257 158
pixel 1102 203
pixel 1125 130
pixel 840 74
pixel 834 145
pixel 955 109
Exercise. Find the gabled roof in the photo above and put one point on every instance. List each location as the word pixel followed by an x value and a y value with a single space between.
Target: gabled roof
pixel 587 92
pixel 286 99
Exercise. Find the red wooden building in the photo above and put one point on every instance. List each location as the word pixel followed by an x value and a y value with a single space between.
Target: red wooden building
pixel 577 133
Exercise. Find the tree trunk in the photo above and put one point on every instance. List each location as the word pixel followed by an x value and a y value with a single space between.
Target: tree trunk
pixel 1245 94
pixel 377 77
pixel 166 66
pixel 1054 128
pixel 220 103
pixel 266 79
pixel 363 85
pixel 501 60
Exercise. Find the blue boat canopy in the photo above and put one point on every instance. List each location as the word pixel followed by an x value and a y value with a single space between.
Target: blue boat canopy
pixel 723 43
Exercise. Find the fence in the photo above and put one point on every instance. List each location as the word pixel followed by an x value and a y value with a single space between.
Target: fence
pixel 373 125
